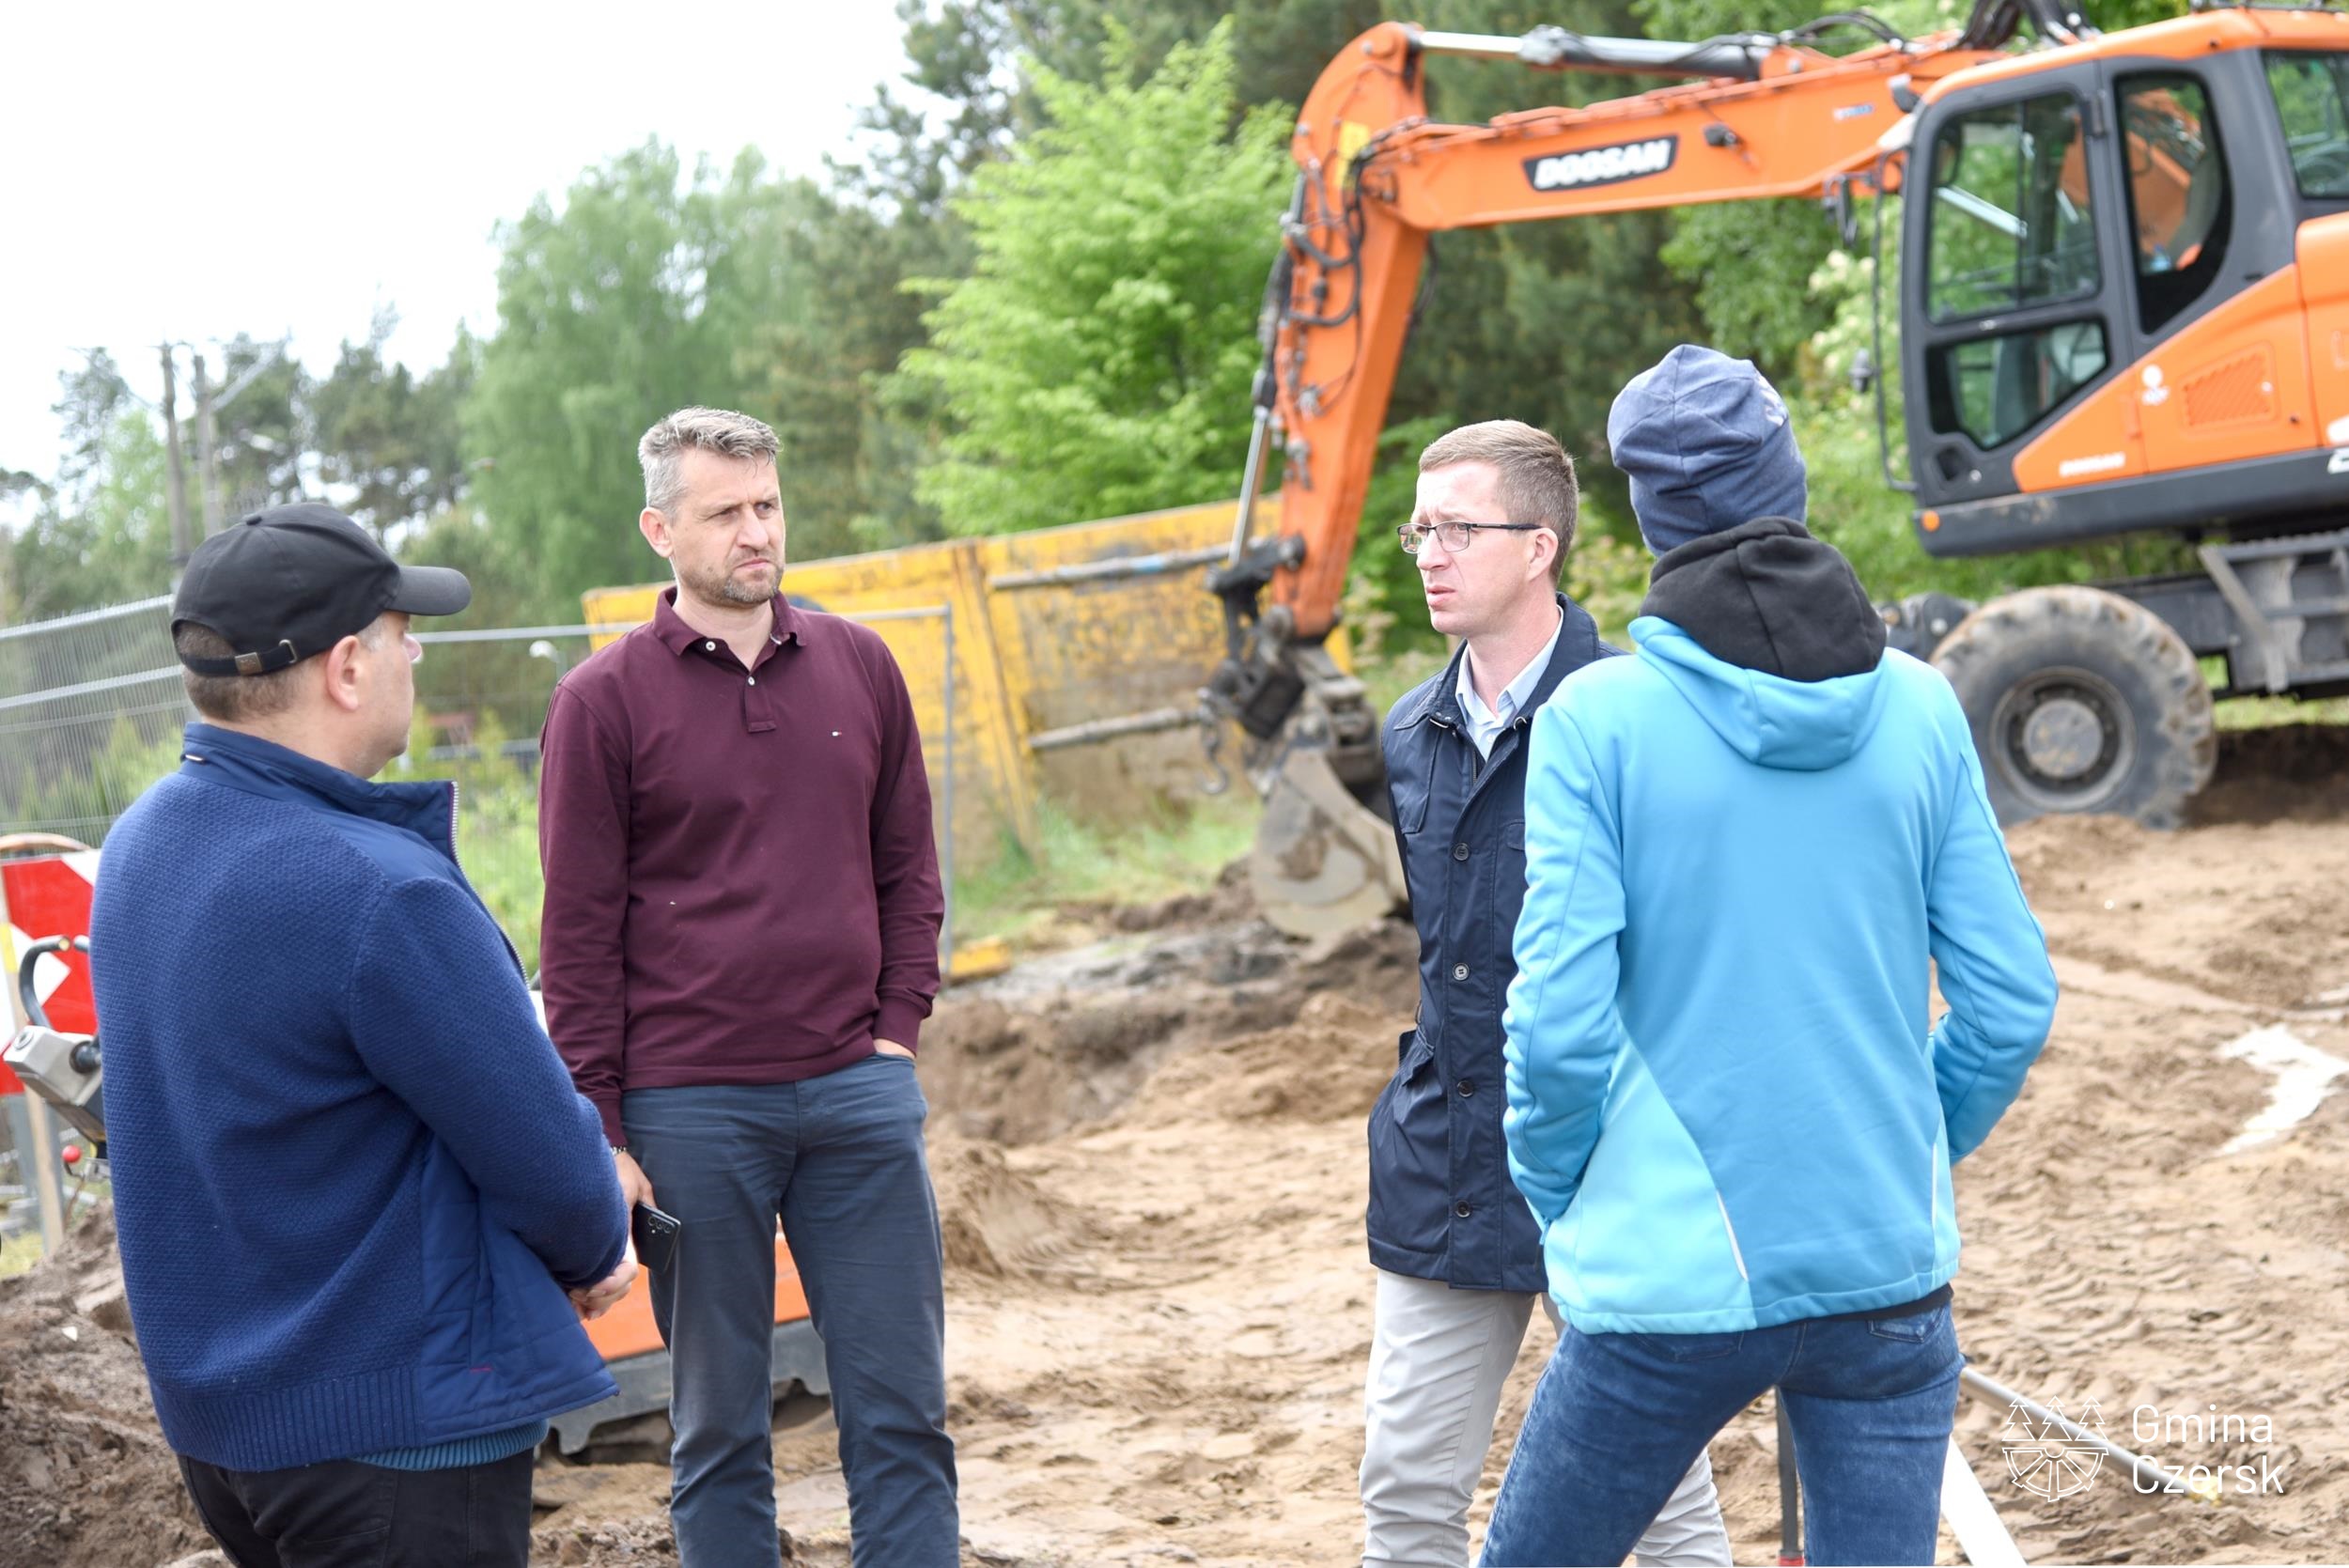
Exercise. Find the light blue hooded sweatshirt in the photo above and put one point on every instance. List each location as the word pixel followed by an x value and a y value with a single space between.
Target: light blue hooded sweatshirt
pixel 1727 1106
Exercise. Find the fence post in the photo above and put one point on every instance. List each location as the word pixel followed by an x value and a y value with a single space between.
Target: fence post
pixel 946 793
pixel 36 1158
pixel 999 727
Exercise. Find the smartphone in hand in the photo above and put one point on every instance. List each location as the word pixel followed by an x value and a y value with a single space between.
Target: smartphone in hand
pixel 656 1236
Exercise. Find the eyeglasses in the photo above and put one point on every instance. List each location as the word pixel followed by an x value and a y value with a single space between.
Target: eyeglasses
pixel 415 650
pixel 1456 536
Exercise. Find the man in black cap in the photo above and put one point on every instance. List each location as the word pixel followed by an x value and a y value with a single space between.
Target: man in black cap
pixel 362 1210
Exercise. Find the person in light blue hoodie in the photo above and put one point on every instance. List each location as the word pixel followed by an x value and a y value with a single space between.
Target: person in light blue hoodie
pixel 1747 851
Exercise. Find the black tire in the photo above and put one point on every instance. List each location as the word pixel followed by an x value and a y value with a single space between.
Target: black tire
pixel 2081 701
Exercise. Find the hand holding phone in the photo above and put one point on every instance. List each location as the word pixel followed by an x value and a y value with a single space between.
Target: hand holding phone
pixel 654 1234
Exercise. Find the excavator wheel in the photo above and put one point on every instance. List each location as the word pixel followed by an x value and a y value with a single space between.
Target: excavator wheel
pixel 2081 701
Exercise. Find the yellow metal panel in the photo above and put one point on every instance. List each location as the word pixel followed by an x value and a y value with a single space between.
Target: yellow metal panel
pixel 1095 650
pixel 995 719
pixel 991 788
pixel 1026 659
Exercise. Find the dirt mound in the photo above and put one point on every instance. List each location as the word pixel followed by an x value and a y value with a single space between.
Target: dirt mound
pixel 84 1475
pixel 2257 915
pixel 997 1223
pixel 1063 1042
pixel 646 1541
pixel 1327 1065
pixel 2297 772
pixel 1230 902
pixel 2051 850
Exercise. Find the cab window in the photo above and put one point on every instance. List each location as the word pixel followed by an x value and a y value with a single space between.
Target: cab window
pixel 2311 89
pixel 2011 223
pixel 1993 389
pixel 2180 209
pixel 2011 227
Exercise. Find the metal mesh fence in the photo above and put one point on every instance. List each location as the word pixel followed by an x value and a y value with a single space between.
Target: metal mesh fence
pixel 90 711
pixel 92 708
pixel 487 690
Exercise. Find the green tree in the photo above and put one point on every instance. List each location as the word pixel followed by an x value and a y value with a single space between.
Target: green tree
pixel 1749 262
pixel 388 436
pixel 818 364
pixel 611 312
pixel 91 397
pixel 978 56
pixel 505 592
pixel 647 290
pixel 1098 358
pixel 107 541
pixel 267 436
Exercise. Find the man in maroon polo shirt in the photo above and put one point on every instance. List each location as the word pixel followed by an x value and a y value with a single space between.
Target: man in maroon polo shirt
pixel 740 946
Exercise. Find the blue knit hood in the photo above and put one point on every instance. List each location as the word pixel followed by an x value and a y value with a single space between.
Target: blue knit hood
pixel 1704 441
pixel 1766 719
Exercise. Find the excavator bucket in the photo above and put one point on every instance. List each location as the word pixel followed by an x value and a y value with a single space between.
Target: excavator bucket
pixel 1323 860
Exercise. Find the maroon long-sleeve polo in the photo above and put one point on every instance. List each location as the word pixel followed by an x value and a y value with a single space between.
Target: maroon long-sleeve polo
pixel 742 885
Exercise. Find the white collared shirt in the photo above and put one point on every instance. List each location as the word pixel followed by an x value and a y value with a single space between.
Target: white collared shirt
pixel 1484 724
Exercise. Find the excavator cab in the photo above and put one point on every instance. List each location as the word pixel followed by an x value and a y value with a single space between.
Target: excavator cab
pixel 2123 309
pixel 2105 330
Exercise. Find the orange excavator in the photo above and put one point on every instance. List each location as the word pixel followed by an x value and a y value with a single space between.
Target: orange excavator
pixel 2122 309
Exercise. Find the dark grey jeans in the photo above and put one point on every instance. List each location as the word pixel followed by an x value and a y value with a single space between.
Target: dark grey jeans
pixel 839 1159
pixel 342 1514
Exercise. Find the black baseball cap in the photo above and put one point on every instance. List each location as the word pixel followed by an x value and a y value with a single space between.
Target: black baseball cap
pixel 285 583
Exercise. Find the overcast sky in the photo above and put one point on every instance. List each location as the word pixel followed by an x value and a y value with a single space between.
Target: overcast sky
pixel 192 172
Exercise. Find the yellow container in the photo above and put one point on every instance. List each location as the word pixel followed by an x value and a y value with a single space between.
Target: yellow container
pixel 1030 657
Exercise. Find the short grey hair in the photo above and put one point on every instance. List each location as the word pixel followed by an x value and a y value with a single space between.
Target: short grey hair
pixel 720 430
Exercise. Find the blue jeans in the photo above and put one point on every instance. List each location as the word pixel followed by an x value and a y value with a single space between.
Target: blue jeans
pixel 839 1159
pixel 1618 1419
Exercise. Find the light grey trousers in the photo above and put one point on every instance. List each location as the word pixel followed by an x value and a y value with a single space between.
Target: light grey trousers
pixel 1437 1359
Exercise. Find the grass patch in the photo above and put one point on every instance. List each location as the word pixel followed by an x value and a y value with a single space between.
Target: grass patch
pixel 2261 713
pixel 2267 713
pixel 1019 895
pixel 19 1252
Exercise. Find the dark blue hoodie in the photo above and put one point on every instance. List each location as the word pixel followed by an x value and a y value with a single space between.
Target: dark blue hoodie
pixel 353 1179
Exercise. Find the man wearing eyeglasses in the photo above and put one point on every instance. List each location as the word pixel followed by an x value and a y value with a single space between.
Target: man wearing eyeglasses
pixel 1459 1258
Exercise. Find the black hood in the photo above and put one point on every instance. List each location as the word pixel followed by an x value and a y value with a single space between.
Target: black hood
pixel 1767 596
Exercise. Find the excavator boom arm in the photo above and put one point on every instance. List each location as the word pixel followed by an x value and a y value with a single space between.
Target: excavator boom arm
pixel 1378 177
pixel 1748 116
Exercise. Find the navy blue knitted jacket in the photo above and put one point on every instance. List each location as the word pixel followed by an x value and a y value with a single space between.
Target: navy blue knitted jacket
pixel 353 1179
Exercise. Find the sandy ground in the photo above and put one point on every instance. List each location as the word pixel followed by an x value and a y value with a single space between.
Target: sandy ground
pixel 1149 1159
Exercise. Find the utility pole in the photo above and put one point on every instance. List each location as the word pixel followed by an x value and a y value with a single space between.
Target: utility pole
pixel 206 442
pixel 182 546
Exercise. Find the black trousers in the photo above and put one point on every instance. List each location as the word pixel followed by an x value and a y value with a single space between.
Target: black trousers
pixel 345 1515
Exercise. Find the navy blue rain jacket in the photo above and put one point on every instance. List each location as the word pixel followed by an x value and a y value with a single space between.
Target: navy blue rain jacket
pixel 1441 1204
